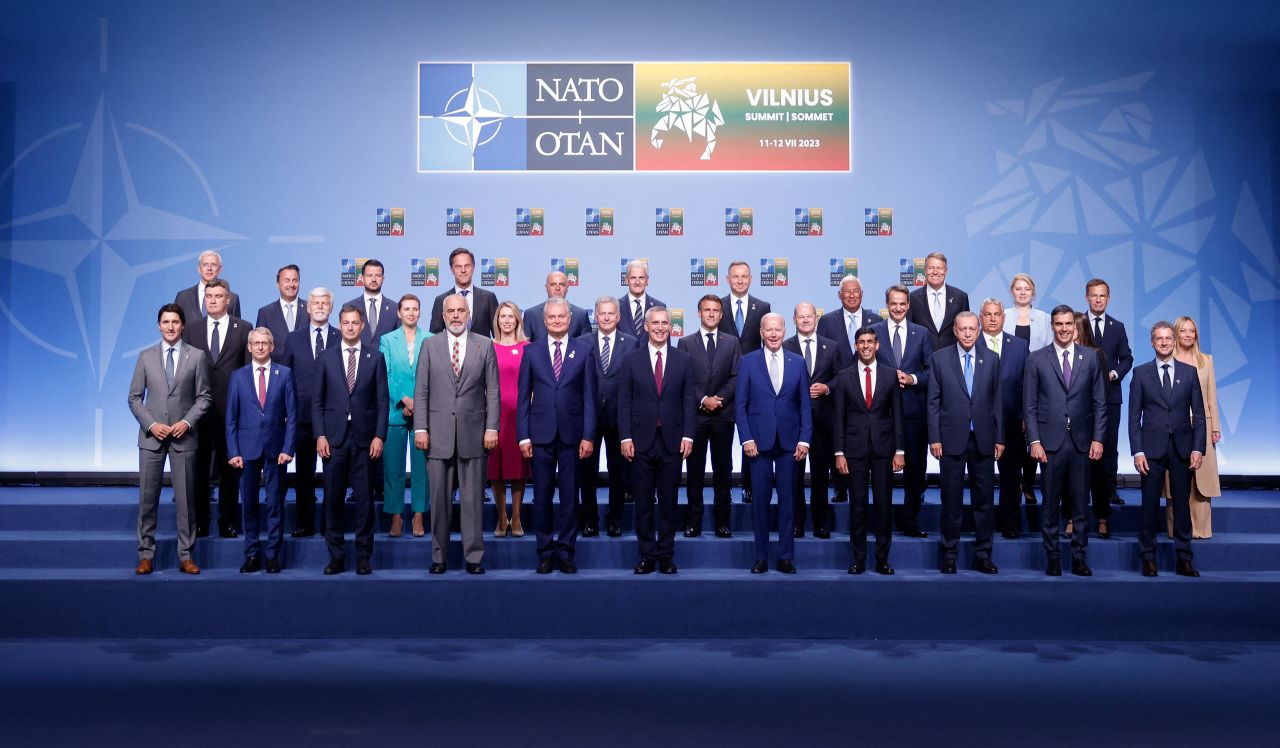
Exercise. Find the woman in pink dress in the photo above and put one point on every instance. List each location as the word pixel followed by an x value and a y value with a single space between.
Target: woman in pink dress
pixel 506 465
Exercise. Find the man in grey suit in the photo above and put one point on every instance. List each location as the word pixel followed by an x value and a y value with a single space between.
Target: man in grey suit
pixel 455 419
pixel 169 393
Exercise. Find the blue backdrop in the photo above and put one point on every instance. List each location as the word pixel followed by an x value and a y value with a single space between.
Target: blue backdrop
pixel 1131 141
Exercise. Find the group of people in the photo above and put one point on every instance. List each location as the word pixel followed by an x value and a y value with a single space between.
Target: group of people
pixel 488 393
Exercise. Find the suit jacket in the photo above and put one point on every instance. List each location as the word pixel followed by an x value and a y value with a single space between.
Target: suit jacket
pixel 536 328
pixel 956 301
pixel 152 400
pixel 1153 417
pixel 831 326
pixel 1041 328
pixel 641 407
pixel 388 320
pixel 916 356
pixel 1114 343
pixel 782 419
pixel 402 367
pixel 548 408
pixel 255 432
pixel 752 311
pixel 189 300
pixel 233 353
pixel 860 431
pixel 607 381
pixel 626 318
pixel 305 367
pixel 484 305
pixel 271 317
pixel 951 408
pixel 1013 367
pixel 828 359
pixel 717 377
pixel 456 409
pixel 1050 405
pixel 360 414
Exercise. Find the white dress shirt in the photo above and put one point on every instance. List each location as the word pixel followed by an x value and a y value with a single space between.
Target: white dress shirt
pixel 461 342
pixel 284 311
pixel 653 367
pixel 470 298
pixel 257 390
pixel 324 335
pixel 223 324
pixel 801 339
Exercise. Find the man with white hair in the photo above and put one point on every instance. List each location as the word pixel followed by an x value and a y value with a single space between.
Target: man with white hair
pixel 302 351
pixel 192 299
pixel 631 308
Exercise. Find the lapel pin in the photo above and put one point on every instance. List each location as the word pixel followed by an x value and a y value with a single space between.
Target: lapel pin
pixel 572 354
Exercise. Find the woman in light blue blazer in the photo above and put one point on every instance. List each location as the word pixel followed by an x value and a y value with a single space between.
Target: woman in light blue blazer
pixel 1032 325
pixel 400 350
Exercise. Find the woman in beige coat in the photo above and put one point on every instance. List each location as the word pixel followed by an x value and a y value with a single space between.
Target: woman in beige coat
pixel 1205 484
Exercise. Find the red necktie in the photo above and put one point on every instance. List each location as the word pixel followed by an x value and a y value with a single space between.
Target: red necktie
pixel 262 387
pixel 657 373
pixel 868 370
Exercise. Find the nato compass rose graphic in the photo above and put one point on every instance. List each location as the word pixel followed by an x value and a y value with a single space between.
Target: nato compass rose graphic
pixel 479 117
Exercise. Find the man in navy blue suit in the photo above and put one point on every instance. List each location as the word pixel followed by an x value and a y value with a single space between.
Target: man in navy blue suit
pixel 657 416
pixel 905 346
pixel 209 265
pixel 350 422
pixel 637 301
pixel 377 311
pixel 609 346
pixel 302 351
pixel 742 314
pixel 282 315
pixel 262 421
pixel 842 325
pixel 823 359
pixel 935 305
pixel 1109 335
pixel 1066 416
pixel 966 432
pixel 1013 352
pixel 557 287
pixel 776 425
pixel 556 426
pixel 1168 438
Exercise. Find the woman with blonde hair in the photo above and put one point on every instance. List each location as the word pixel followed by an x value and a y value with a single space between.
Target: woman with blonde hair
pixel 506 465
pixel 1204 483
pixel 1033 326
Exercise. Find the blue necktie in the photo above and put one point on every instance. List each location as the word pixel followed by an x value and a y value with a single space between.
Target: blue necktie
pixel 319 343
pixel 968 373
pixel 738 319
pixel 604 356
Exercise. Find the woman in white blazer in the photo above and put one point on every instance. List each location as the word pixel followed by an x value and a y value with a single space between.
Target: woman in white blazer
pixel 1030 324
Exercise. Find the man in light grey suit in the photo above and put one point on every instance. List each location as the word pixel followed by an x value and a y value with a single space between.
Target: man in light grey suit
pixel 455 419
pixel 169 393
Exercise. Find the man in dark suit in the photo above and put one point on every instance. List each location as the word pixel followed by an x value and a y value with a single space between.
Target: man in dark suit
pixel 715 357
pixel 868 442
pixel 823 359
pixel 776 425
pixel 631 308
pixel 1066 412
pixel 302 352
pixel 482 304
pixel 1013 352
pixel 262 420
pixel 282 315
pixel 350 422
pixel 1109 335
pixel 657 415
pixel 556 426
pixel 936 305
pixel 742 313
pixel 380 317
pixel 192 299
pixel 225 338
pixel 966 431
pixel 843 324
pixel 557 287
pixel 609 346
pixel 1167 436
pixel 905 346
pixel 168 395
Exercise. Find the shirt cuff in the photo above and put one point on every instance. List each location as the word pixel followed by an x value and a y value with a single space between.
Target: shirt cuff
pixel 1139 454
pixel 419 431
pixel 914 380
pixel 1037 441
pixel 839 454
pixel 749 441
pixel 686 439
pixel 524 442
pixel 1114 374
pixel 803 444
pixel 899 452
pixel 624 441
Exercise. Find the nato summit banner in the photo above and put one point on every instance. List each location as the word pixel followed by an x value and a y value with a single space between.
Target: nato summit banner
pixel 649 116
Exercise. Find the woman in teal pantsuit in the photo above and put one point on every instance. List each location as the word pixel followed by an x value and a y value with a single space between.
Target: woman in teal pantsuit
pixel 400 350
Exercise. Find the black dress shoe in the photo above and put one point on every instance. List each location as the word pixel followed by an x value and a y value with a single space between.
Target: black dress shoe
pixel 985 566
pixel 613 531
pixel 1116 501
pixel 228 532
pixel 723 532
pixel 693 532
pixel 335 567
pixel 273 566
pixel 590 531
pixel 438 568
pixel 760 567
pixel 823 533
pixel 666 566
pixel 544 566
pixel 797 532
pixel 948 567
pixel 363 567
pixel 567 567
pixel 251 564
pixel 1081 569
pixel 885 569
pixel 1105 532
pixel 202 532
pixel 1010 534
pixel 856 568
pixel 1029 495
pixel 1185 569
pixel 1149 569
pixel 1054 569
pixel 914 532
pixel 475 569
pixel 840 497
pixel 786 567
pixel 304 532
pixel 746 496
pixel 646 566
